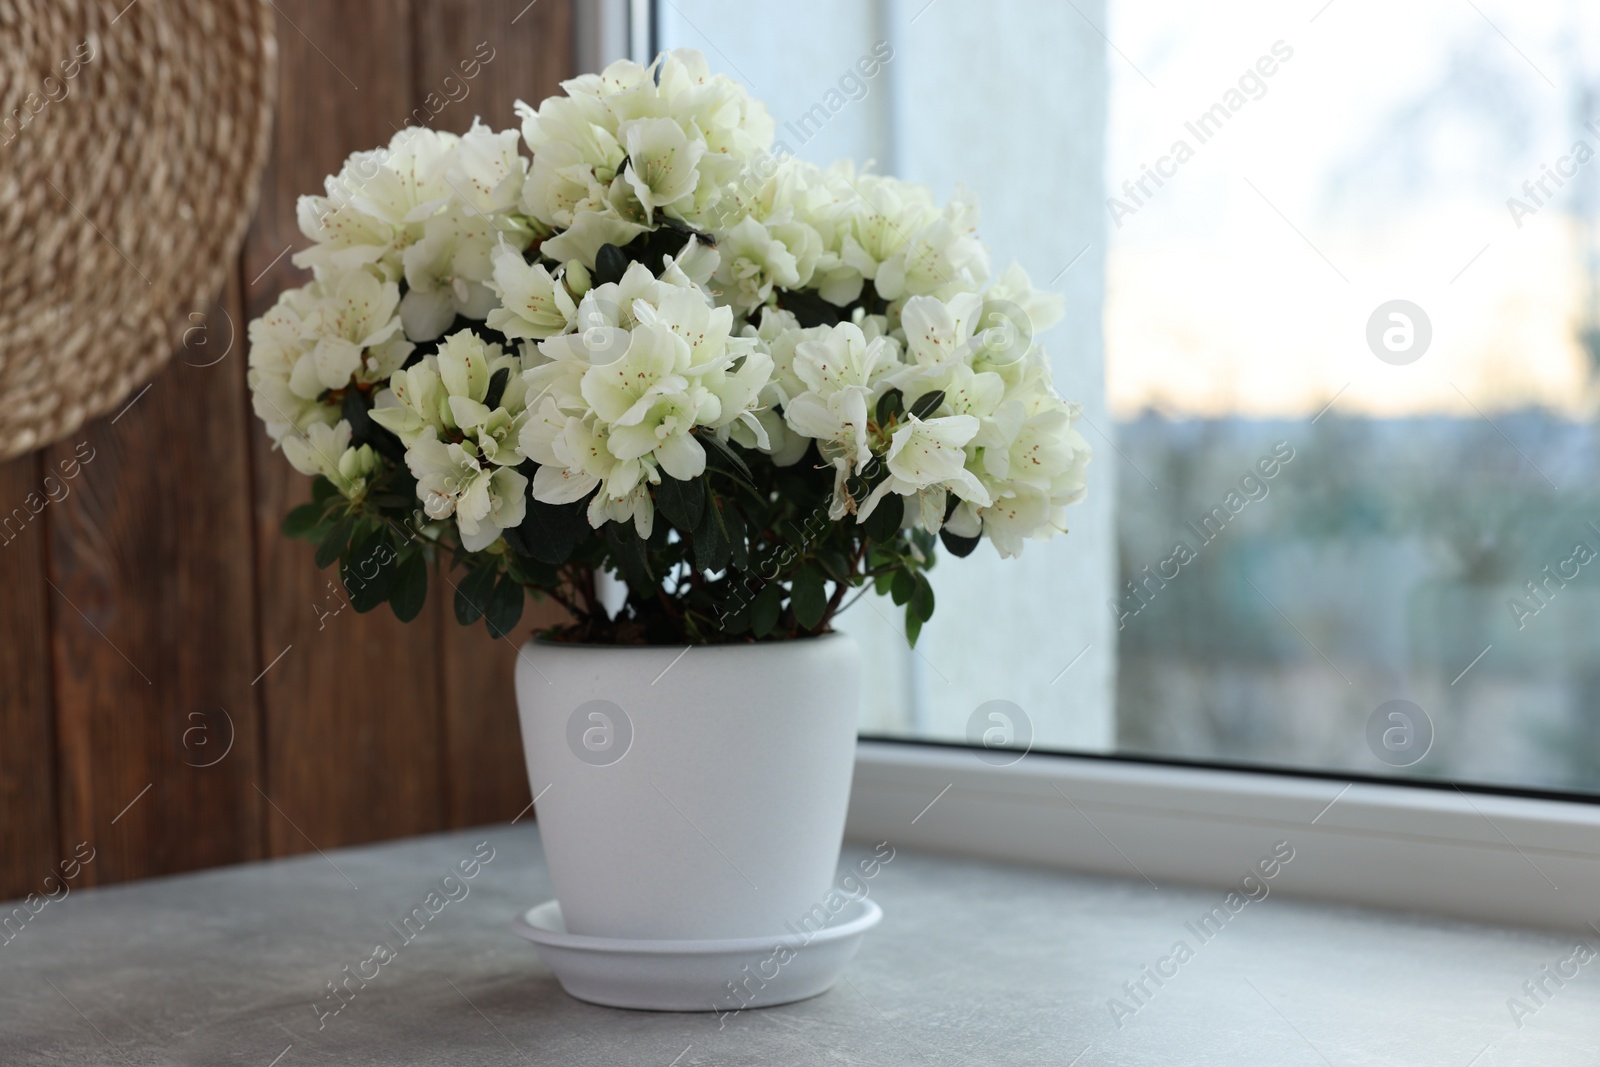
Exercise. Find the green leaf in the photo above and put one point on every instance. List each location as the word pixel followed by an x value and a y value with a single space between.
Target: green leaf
pixel 322 490
pixel 834 563
pixel 497 388
pixel 531 572
pixel 410 590
pixel 903 585
pixel 627 552
pixel 711 548
pixel 303 520
pixel 922 599
pixel 724 451
pixel 957 545
pixel 369 569
pixel 505 607
pixel 472 595
pixel 610 264
pixel 884 522
pixel 765 610
pixel 363 431
pixel 881 583
pixel 809 308
pixel 927 404
pixel 735 618
pixel 683 503
pixel 890 405
pixel 549 532
pixel 913 627
pixel 332 546
pixel 738 542
pixel 808 597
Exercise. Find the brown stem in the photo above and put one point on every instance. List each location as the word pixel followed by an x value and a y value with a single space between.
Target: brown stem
pixel 841 588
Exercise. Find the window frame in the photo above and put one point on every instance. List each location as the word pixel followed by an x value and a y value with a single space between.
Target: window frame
pixel 1474 852
pixel 1496 854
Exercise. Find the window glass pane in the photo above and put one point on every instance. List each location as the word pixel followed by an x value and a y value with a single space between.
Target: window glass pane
pixel 1332 285
pixel 1364 262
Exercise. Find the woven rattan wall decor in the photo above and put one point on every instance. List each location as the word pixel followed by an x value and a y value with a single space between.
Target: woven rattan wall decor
pixel 132 138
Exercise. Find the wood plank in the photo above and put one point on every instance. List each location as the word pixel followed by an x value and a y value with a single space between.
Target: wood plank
pixel 152 624
pixel 511 51
pixel 28 844
pixel 352 708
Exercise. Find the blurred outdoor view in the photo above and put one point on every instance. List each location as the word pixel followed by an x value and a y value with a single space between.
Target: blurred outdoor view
pixel 1300 508
pixel 1429 540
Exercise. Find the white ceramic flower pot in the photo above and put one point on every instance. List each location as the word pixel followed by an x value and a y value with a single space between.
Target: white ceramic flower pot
pixel 692 795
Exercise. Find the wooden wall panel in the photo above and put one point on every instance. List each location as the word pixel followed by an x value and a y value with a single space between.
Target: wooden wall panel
pixel 150 559
pixel 515 51
pixel 28 845
pixel 173 699
pixel 352 706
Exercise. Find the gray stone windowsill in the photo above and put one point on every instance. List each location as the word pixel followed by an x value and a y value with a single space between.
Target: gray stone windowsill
pixel 974 963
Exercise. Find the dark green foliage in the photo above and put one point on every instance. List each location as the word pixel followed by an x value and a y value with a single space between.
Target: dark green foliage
pixel 884 522
pixel 891 405
pixel 356 407
pixel 472 594
pixel 368 569
pixel 549 532
pixel 505 606
pixel 808 597
pixel 410 590
pixel 333 543
pixel 681 503
pixel 958 546
pixel 610 263
pixel 497 388
pixel 927 404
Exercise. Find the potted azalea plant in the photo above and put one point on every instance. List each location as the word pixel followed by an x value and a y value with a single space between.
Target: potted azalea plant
pixel 636 344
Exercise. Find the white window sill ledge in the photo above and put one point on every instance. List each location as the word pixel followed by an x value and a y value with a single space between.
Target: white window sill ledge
pixel 1495 858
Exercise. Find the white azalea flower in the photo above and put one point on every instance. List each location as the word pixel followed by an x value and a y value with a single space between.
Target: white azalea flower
pixel 448 270
pixel 532 302
pixel 661 162
pixel 445 396
pixel 649 404
pixel 622 401
pixel 939 333
pixel 589 230
pixel 610 388
pixel 374 207
pixel 753 263
pixel 940 260
pixel 1043 308
pixel 563 185
pixel 355 313
pixel 486 171
pixel 694 266
pixel 881 214
pixel 844 373
pixel 452 481
pixel 925 459
pixel 414 403
pixel 580 461
pixel 277 344
pixel 1034 464
pixel 325 450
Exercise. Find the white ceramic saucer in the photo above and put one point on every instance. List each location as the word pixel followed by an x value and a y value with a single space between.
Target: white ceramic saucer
pixel 718 975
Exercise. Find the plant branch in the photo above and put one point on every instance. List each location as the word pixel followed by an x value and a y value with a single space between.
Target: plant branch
pixel 841 588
